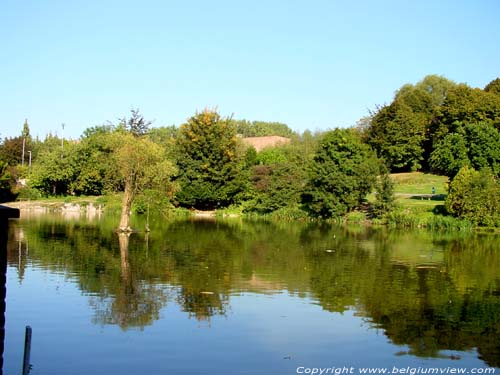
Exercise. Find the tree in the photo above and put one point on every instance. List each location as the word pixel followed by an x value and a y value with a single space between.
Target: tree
pixel 344 170
pixel 55 171
pixel 450 155
pixel 475 196
pixel 136 124
pixel 384 194
pixel 464 105
pixel 399 132
pixel 475 145
pixel 7 183
pixel 276 186
pixel 96 173
pixel 142 165
pixel 210 159
pixel 11 150
pixel 261 128
pixel 493 86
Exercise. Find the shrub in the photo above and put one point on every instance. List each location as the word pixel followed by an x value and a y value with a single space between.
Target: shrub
pixel 475 196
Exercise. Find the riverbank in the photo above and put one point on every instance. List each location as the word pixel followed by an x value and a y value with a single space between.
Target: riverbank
pixel 419 199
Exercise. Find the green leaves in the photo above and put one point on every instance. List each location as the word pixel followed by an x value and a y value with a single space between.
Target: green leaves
pixel 342 173
pixel 474 145
pixel 475 196
pixel 210 161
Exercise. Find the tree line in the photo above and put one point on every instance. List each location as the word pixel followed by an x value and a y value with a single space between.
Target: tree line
pixel 435 125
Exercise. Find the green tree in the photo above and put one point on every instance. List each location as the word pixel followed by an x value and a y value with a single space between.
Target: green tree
pixel 465 105
pixel 276 186
pixel 475 145
pixel 7 183
pixel 11 150
pixel 344 170
pixel 142 166
pixel 399 132
pixel 384 195
pixel 96 173
pixel 210 159
pixel 55 171
pixel 475 196
pixel 262 128
pixel 493 86
pixel 136 124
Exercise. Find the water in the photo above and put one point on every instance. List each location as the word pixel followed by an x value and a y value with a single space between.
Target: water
pixel 234 297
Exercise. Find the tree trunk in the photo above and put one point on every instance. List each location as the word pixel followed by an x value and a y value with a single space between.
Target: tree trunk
pixel 128 198
pixel 123 240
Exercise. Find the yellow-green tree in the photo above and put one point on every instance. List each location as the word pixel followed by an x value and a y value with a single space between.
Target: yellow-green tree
pixel 210 159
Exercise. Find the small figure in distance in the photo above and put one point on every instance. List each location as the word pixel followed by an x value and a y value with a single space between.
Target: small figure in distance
pixel 433 190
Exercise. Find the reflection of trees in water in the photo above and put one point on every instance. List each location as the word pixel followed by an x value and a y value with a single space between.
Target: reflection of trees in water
pixel 453 304
pixel 430 292
pixel 133 303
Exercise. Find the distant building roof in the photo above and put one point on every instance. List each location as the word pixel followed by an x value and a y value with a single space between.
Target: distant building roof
pixel 260 143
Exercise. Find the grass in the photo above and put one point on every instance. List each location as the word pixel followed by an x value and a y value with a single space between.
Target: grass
pixel 419 183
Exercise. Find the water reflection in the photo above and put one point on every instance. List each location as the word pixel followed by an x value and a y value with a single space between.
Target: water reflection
pixel 430 292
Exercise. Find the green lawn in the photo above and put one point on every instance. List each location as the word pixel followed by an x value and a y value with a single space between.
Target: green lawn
pixel 419 183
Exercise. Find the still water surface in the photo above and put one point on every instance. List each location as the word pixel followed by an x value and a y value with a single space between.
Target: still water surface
pixel 233 297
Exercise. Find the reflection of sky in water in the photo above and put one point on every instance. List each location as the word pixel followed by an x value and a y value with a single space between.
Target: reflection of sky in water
pixel 259 334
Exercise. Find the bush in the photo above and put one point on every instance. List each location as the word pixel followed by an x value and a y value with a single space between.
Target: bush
pixel 475 196
pixel 342 173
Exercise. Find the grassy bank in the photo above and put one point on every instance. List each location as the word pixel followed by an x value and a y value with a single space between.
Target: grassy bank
pixel 419 204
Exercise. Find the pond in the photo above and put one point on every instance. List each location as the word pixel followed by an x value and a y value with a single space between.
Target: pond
pixel 236 297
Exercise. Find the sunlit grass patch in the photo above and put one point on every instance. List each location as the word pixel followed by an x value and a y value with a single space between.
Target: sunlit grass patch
pixel 419 183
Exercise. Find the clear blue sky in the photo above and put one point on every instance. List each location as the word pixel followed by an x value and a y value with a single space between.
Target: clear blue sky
pixel 311 64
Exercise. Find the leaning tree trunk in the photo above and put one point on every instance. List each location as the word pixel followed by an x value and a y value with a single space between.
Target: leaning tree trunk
pixel 128 198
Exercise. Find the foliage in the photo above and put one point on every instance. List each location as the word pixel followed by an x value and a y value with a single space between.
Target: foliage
pixel 398 132
pixel 136 124
pixel 474 145
pixel 55 170
pixel 11 150
pixel 276 186
pixel 97 173
pixel 342 173
pixel 271 155
pixel 384 195
pixel 7 183
pixel 465 105
pixel 210 160
pixel 261 128
pixel 475 196
pixel 493 86
pixel 142 166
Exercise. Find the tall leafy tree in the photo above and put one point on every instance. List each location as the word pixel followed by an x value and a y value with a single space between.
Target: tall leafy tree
pixel 474 145
pixel 465 105
pixel 55 170
pixel 141 164
pixel 399 132
pixel 210 160
pixel 493 86
pixel 11 150
pixel 344 170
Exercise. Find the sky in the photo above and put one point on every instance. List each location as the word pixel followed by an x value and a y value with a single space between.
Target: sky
pixel 315 64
